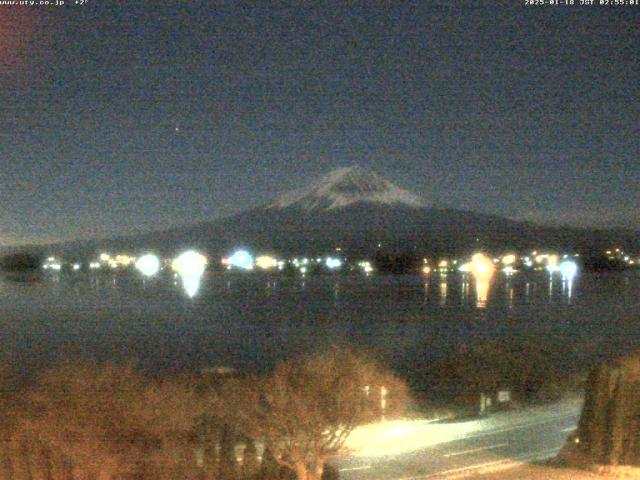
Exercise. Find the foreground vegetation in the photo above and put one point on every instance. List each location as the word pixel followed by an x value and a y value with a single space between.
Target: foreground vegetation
pixel 532 372
pixel 86 421
pixel 107 422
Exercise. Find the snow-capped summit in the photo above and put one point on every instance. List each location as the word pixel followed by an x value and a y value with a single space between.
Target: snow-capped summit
pixel 346 186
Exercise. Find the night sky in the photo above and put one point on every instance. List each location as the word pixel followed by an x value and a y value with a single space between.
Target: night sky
pixel 117 118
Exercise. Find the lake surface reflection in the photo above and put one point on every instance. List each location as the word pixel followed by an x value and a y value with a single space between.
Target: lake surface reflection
pixel 249 321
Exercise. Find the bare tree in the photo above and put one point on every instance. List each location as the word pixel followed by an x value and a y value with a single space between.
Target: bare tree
pixel 171 409
pixel 307 407
pixel 89 421
pixel 81 413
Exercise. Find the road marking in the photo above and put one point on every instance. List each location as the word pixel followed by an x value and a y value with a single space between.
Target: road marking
pixel 473 450
pixel 516 426
pixel 570 429
pixel 505 464
pixel 351 469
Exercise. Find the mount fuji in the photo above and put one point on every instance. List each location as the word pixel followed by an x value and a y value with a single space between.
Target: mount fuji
pixel 348 186
pixel 360 212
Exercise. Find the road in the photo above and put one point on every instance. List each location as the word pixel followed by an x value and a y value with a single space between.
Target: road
pixel 413 450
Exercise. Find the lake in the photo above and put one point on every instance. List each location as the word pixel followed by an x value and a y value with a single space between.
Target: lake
pixel 249 321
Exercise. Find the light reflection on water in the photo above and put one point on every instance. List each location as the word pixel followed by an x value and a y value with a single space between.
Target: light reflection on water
pixel 482 290
pixel 520 289
pixel 250 320
pixel 191 283
pixel 443 290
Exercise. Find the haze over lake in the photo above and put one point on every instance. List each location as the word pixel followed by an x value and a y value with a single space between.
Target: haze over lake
pixel 248 321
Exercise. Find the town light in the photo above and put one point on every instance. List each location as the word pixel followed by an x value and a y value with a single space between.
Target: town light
pixel 266 262
pixel 190 266
pixel 568 269
pixel 509 259
pixel 124 260
pixel 482 269
pixel 333 263
pixel 241 259
pixel 481 266
pixel 148 264
pixel 366 267
pixel 189 263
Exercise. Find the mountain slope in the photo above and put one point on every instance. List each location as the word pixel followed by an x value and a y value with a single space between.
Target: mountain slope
pixel 347 186
pixel 361 212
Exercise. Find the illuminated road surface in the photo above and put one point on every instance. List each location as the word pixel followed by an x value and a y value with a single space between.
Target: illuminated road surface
pixel 413 450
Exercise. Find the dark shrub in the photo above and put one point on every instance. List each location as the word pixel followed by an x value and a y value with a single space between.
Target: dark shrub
pixel 20 262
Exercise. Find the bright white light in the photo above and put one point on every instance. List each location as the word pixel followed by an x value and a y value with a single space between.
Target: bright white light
pixel 94 265
pixel 241 259
pixel 190 266
pixel 568 269
pixel 333 263
pixel 189 263
pixel 76 267
pixel 51 264
pixel 148 264
pixel 403 436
